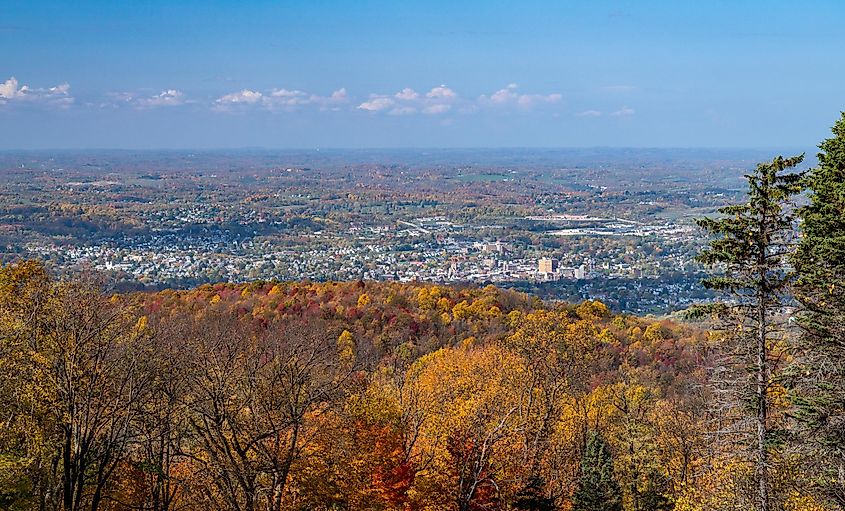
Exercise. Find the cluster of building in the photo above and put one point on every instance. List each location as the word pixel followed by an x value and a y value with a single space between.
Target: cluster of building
pixel 549 268
pixel 196 246
pixel 402 253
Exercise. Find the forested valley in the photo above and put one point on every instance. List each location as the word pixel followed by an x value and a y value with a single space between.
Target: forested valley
pixel 386 396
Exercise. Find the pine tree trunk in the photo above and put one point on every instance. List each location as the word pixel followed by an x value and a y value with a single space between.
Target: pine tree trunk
pixel 761 392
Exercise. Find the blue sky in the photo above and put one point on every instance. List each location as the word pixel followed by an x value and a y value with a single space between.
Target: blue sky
pixel 121 74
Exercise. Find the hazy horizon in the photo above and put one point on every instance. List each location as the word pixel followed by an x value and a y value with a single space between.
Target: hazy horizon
pixel 92 149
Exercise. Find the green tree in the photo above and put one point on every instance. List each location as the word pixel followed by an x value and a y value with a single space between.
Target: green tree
pixel 653 496
pixel 597 488
pixel 820 289
pixel 533 498
pixel 752 243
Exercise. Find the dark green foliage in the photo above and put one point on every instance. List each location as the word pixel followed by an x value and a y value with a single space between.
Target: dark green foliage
pixel 750 251
pixel 753 239
pixel 654 498
pixel 533 498
pixel 820 288
pixel 597 488
pixel 820 259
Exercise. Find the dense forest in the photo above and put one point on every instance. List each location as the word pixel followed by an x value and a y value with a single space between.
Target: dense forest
pixel 387 396
pixel 338 396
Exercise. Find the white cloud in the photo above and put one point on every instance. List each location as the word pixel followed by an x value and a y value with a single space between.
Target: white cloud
pixel 438 100
pixel 287 97
pixel 506 95
pixel 282 100
pixel 58 96
pixel 243 97
pixel 377 104
pixel 441 92
pixel 63 89
pixel 339 95
pixel 510 97
pixel 408 101
pixel 443 99
pixel 407 94
pixel 9 90
pixel 589 113
pixel 12 91
pixel 169 97
pixel 623 112
pixel 334 101
pixel 287 94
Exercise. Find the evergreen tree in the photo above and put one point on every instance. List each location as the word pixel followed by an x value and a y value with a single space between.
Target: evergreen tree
pixel 533 498
pixel 653 497
pixel 820 289
pixel 752 243
pixel 597 488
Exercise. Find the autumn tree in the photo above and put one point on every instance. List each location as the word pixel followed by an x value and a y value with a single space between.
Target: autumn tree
pixel 357 459
pixel 641 466
pixel 470 424
pixel 269 396
pixel 556 350
pixel 253 393
pixel 27 439
pixel 162 449
pixel 78 387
